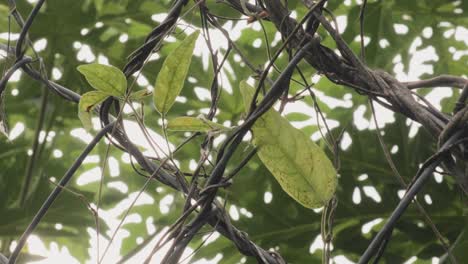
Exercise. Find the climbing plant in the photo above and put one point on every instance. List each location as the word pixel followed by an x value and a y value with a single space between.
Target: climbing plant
pixel 234 131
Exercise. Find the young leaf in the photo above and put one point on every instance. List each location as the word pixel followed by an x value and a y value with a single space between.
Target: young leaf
pixel 193 124
pixel 171 78
pixel 87 103
pixel 301 167
pixel 104 78
pixel 139 95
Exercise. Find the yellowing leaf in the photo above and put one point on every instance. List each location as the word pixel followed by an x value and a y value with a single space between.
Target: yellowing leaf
pixel 171 78
pixel 105 78
pixel 87 103
pixel 301 167
pixel 193 124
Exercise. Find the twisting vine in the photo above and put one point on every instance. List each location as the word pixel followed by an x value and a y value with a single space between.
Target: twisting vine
pixel 301 43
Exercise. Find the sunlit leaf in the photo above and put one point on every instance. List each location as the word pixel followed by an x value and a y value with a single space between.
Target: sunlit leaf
pixel 193 124
pixel 105 78
pixel 171 78
pixel 87 103
pixel 301 167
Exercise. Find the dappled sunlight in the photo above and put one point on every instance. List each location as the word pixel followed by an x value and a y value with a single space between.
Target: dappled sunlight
pixel 290 186
pixel 55 254
pixel 367 227
pixel 16 131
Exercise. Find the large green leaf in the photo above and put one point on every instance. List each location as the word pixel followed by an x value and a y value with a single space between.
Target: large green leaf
pixel 300 166
pixel 105 78
pixel 173 73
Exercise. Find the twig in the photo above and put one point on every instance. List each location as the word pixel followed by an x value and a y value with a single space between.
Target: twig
pixel 25 29
pixel 402 182
pixel 54 194
pixel 361 31
pixel 423 174
pixel 441 80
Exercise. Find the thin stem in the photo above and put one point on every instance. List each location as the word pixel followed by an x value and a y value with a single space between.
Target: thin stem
pixel 35 146
pixel 55 193
pixel 423 175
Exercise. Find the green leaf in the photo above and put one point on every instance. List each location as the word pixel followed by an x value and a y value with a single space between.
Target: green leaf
pixel 88 101
pixel 194 124
pixel 105 78
pixel 298 117
pixel 139 95
pixel 171 77
pixel 300 166
pixel 4 11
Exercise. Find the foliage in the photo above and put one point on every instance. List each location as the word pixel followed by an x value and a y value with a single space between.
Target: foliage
pixel 109 32
pixel 173 73
pixel 193 124
pixel 298 164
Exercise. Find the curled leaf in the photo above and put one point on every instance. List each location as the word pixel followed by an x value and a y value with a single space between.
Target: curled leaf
pixel 87 103
pixel 193 124
pixel 171 77
pixel 300 166
pixel 105 78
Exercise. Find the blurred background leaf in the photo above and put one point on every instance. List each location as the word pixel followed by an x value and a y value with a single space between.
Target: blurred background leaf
pixel 78 32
